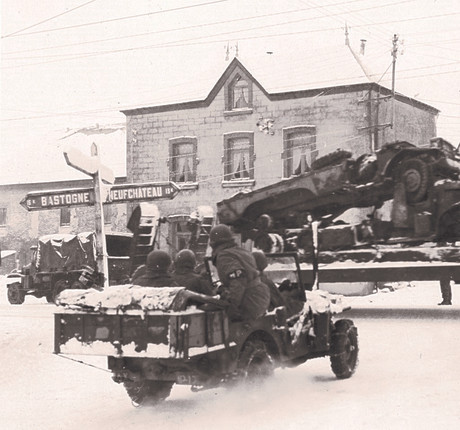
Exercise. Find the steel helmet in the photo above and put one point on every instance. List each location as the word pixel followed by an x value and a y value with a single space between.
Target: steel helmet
pixel 159 261
pixel 220 234
pixel 261 260
pixel 185 258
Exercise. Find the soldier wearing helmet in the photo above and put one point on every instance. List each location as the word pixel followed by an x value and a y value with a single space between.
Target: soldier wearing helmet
pixel 276 299
pixel 242 287
pixel 184 273
pixel 156 272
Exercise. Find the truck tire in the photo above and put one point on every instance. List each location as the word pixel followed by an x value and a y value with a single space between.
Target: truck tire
pixel 255 362
pixel 415 174
pixel 147 393
pixel 15 294
pixel 344 349
pixel 335 157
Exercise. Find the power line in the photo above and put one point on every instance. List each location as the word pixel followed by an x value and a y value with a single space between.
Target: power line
pixel 187 42
pixel 123 18
pixel 229 21
pixel 46 20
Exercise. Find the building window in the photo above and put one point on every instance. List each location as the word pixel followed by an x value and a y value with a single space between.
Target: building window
pixel 2 216
pixel 182 159
pixel 238 156
pixel 299 149
pixel 65 216
pixel 239 95
pixel 179 233
pixel 107 213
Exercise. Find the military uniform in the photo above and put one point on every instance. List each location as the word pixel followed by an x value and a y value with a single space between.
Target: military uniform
pixel 242 287
pixel 276 299
pixel 155 272
pixel 151 278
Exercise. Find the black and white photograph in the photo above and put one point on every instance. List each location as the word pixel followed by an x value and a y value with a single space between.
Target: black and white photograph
pixel 229 214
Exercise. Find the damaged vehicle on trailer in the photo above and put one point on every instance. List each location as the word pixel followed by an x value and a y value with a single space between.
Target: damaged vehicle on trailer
pixel 157 337
pixel 418 187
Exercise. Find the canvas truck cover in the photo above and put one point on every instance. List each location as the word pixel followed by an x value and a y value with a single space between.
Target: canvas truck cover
pixel 59 252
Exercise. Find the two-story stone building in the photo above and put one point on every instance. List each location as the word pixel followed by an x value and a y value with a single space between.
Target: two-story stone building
pixel 243 137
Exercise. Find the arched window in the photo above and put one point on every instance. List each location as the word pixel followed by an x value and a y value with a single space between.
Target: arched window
pixel 239 95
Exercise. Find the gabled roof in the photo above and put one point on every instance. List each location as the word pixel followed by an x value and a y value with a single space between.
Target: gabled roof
pixel 309 84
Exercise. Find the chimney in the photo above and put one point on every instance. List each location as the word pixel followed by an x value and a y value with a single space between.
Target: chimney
pixel 363 46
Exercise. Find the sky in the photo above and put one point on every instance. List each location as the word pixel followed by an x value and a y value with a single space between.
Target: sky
pixel 73 65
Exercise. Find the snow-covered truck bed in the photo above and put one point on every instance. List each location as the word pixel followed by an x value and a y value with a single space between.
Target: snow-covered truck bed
pixel 132 321
pixel 156 337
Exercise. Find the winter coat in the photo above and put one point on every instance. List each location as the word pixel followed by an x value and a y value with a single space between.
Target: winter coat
pixel 186 277
pixel 242 287
pixel 276 299
pixel 151 278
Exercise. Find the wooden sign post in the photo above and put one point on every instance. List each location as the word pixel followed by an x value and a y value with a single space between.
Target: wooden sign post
pixel 98 196
pixel 92 166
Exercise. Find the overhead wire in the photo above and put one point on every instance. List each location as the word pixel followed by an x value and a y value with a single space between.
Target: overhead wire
pixel 199 40
pixel 125 17
pixel 201 25
pixel 47 19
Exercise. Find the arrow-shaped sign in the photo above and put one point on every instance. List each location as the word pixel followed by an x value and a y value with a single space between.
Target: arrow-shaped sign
pixel 52 199
pixel 88 165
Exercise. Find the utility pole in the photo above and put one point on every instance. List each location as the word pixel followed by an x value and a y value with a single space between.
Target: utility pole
pixel 394 53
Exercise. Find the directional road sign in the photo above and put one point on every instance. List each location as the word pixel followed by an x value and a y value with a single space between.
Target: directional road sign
pixel 52 199
pixel 88 165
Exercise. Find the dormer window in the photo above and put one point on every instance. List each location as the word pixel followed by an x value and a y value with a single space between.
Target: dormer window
pixel 238 95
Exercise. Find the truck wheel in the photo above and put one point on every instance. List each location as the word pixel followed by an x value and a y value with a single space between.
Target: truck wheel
pixel 415 174
pixel 148 393
pixel 255 361
pixel 344 349
pixel 15 294
pixel 59 287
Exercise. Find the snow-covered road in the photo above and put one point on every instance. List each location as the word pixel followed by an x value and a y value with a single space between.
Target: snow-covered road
pixel 408 378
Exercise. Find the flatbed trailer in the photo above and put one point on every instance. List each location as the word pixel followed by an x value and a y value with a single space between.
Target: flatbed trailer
pixel 381 272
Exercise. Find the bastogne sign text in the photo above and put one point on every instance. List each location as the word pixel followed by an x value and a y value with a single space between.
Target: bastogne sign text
pixel 39 200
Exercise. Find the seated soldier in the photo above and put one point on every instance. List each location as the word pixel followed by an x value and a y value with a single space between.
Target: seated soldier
pixel 156 272
pixel 276 299
pixel 184 273
pixel 247 295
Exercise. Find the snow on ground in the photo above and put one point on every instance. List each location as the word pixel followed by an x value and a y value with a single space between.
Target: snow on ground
pixel 408 378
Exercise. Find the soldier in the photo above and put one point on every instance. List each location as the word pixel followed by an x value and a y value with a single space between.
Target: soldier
pixel 446 292
pixel 248 296
pixel 184 273
pixel 276 299
pixel 155 273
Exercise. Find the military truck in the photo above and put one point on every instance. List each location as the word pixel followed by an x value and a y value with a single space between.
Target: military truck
pixel 157 337
pixel 62 261
pixel 420 183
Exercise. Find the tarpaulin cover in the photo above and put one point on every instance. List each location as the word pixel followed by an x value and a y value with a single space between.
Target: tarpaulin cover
pixel 59 252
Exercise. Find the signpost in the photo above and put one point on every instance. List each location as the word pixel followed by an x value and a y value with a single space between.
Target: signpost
pixel 89 165
pixel 53 199
pixel 92 166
